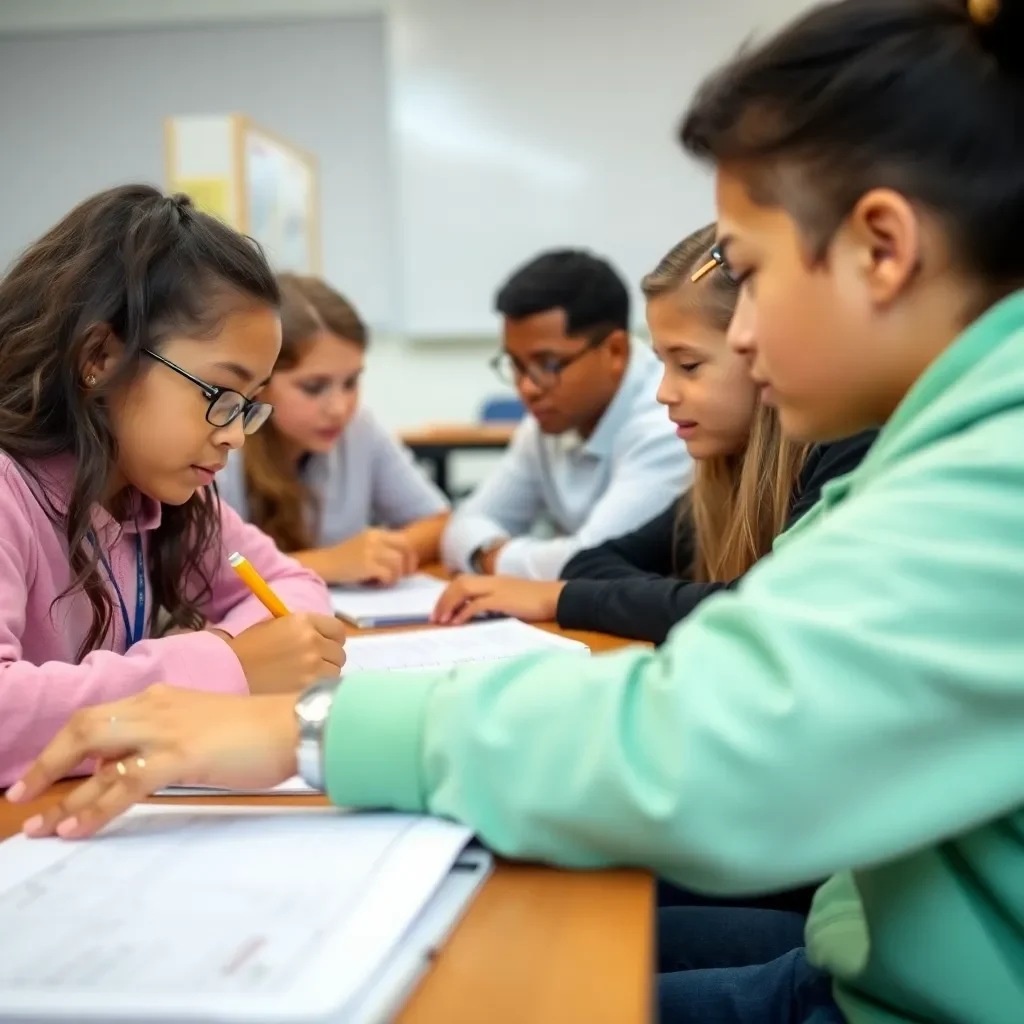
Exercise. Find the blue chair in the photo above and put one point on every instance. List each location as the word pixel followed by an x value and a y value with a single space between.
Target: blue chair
pixel 502 409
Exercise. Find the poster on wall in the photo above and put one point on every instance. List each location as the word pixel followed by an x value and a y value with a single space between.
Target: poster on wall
pixel 253 179
pixel 280 200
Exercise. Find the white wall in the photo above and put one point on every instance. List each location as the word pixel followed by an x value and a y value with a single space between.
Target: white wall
pixel 83 111
pixel 64 15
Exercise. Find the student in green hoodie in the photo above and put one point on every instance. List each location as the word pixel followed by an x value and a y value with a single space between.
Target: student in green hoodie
pixel 855 708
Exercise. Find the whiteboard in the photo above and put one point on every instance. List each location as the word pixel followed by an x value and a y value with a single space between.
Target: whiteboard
pixel 519 126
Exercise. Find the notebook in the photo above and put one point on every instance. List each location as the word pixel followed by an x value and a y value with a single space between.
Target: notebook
pixel 408 602
pixel 387 992
pixel 206 913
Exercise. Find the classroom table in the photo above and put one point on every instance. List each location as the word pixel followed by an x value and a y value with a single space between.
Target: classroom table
pixel 436 444
pixel 537 945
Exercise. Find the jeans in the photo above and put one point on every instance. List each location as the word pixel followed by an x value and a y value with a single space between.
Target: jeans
pixel 726 965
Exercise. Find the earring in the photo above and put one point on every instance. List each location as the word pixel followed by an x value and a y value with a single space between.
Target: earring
pixel 90 381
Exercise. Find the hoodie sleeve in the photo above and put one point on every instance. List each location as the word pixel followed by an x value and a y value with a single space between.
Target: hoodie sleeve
pixel 859 697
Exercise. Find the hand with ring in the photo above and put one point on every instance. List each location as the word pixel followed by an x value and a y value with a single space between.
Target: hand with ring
pixel 158 738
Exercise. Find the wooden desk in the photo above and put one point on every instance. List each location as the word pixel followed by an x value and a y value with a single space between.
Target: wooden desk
pixel 537 946
pixel 436 444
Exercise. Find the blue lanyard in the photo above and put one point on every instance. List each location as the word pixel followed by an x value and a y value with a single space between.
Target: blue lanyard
pixel 133 636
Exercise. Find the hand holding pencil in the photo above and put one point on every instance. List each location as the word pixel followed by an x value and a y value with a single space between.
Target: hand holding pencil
pixel 289 651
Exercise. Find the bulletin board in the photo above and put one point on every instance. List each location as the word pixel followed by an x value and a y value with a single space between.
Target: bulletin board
pixel 253 179
pixel 280 198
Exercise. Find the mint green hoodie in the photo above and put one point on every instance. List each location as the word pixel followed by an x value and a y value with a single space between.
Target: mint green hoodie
pixel 855 708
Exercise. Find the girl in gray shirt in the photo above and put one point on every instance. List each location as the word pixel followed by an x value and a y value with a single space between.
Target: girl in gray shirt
pixel 323 478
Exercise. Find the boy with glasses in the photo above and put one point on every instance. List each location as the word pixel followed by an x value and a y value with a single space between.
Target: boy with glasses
pixel 596 454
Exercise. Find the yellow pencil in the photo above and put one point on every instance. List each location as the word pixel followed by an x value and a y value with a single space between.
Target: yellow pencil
pixel 705 270
pixel 255 582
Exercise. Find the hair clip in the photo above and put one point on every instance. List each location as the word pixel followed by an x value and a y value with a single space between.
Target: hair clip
pixel 983 12
pixel 717 260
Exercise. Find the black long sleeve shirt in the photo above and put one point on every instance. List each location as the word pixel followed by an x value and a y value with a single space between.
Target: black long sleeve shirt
pixel 626 586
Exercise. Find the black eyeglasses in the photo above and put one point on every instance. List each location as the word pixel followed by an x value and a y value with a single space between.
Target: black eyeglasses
pixel 225 405
pixel 546 372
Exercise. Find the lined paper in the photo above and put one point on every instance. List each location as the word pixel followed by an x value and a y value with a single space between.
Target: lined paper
pixel 445 646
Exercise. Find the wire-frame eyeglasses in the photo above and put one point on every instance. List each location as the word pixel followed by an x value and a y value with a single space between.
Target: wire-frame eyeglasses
pixel 225 405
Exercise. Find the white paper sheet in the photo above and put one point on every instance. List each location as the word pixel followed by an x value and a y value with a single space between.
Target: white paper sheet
pixel 446 646
pixel 199 913
pixel 294 786
pixel 411 600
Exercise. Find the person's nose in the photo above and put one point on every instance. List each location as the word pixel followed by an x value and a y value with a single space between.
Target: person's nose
pixel 668 391
pixel 233 435
pixel 339 403
pixel 529 390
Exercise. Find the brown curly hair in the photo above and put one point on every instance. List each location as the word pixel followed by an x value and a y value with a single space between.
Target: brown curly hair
pixel 143 266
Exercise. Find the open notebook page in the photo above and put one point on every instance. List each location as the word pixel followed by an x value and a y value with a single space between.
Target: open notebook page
pixel 201 913
pixel 444 647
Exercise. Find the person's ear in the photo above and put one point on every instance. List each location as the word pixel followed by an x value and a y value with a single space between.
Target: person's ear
pixel 617 345
pixel 883 236
pixel 101 352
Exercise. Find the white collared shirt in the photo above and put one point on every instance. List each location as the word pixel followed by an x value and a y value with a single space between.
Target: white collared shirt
pixel 590 490
pixel 367 479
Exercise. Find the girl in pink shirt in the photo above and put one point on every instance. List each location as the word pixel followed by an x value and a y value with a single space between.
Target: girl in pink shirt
pixel 135 337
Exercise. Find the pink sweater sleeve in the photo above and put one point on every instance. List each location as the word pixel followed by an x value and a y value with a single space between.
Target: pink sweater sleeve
pixel 37 700
pixel 233 607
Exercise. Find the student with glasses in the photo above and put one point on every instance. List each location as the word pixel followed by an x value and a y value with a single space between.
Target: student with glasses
pixel 135 339
pixel 325 480
pixel 595 454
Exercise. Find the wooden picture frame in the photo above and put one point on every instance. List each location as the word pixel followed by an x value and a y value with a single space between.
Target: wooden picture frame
pixel 252 178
